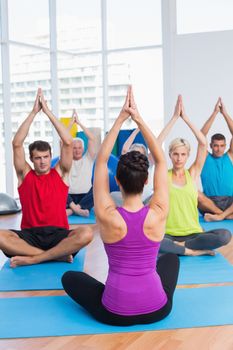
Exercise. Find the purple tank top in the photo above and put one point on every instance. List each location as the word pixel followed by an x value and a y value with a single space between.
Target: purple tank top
pixel 133 286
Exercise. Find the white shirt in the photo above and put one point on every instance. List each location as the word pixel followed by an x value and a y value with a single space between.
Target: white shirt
pixel 80 175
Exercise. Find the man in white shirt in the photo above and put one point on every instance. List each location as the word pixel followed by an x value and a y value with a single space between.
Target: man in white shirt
pixel 80 198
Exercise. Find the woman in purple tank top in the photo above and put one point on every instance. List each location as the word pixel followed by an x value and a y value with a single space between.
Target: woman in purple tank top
pixel 139 287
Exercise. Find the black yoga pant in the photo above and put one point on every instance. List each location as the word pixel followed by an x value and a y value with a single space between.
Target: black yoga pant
pixel 85 200
pixel 87 292
pixel 206 240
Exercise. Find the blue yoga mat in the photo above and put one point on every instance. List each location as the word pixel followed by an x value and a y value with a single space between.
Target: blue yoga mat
pixel 227 224
pixel 43 276
pixel 60 316
pixel 76 219
pixel 205 269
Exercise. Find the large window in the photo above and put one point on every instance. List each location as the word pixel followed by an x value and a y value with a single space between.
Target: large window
pixel 29 21
pixel 133 23
pixel 194 16
pixel 126 68
pixel 30 69
pixel 98 48
pixel 80 87
pixel 2 138
pixel 78 25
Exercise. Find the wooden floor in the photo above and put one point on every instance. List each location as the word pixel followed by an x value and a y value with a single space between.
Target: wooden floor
pixel 206 338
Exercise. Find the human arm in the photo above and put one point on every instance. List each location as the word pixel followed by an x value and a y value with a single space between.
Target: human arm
pixel 91 138
pixel 20 163
pixel 197 166
pixel 229 122
pixel 159 200
pixel 129 141
pixel 102 198
pixel 65 162
pixel 163 134
pixel 206 127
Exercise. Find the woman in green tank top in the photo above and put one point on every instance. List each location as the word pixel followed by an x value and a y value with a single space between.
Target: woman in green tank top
pixel 184 235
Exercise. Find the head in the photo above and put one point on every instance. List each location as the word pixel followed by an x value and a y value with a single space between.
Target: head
pixel 132 172
pixel 40 155
pixel 138 147
pixel 218 145
pixel 78 148
pixel 179 150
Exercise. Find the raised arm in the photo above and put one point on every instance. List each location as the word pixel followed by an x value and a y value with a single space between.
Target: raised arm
pixel 20 164
pixel 102 198
pixel 91 138
pixel 229 122
pixel 206 127
pixel 64 165
pixel 129 141
pixel 170 124
pixel 197 166
pixel 159 200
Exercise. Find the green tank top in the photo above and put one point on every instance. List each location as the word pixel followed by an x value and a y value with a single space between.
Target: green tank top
pixel 183 213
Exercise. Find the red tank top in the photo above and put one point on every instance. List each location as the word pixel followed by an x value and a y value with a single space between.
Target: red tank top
pixel 43 199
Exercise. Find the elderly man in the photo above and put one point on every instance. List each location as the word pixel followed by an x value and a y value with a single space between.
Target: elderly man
pixel 80 198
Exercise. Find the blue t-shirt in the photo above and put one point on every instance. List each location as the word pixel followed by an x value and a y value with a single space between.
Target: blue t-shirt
pixel 217 176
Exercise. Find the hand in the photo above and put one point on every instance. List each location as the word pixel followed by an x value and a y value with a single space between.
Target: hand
pixel 182 112
pixel 217 107
pixel 222 107
pixel 178 107
pixel 125 112
pixel 133 110
pixel 75 117
pixel 37 105
pixel 43 103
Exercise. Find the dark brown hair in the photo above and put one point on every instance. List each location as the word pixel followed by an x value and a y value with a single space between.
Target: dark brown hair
pixel 132 172
pixel 41 146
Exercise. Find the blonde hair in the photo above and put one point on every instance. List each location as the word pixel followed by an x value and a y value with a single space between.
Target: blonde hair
pixel 178 142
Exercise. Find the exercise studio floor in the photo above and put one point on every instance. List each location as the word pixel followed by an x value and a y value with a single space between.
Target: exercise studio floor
pixel 201 338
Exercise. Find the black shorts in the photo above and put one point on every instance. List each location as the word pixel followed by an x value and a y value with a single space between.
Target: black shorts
pixel 45 237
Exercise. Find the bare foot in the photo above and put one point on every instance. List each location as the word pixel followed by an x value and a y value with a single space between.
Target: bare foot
pixel 192 252
pixel 67 258
pixel 69 212
pixel 22 260
pixel 213 217
pixel 82 212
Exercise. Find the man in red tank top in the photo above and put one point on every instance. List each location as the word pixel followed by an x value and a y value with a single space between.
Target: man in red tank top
pixel 45 233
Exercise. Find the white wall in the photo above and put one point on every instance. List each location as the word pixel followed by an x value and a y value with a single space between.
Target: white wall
pixel 201 67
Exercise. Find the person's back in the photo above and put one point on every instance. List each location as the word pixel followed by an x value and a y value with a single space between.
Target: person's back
pixel 139 288
pixel 133 286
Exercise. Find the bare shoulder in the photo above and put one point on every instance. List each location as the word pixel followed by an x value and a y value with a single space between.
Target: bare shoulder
pixel 154 224
pixel 112 225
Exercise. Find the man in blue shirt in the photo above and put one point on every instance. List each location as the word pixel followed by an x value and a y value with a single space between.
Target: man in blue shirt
pixel 216 201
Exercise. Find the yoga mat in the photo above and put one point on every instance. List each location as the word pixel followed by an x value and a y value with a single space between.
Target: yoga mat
pixel 43 276
pixel 60 316
pixel 205 269
pixel 227 224
pixel 76 219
